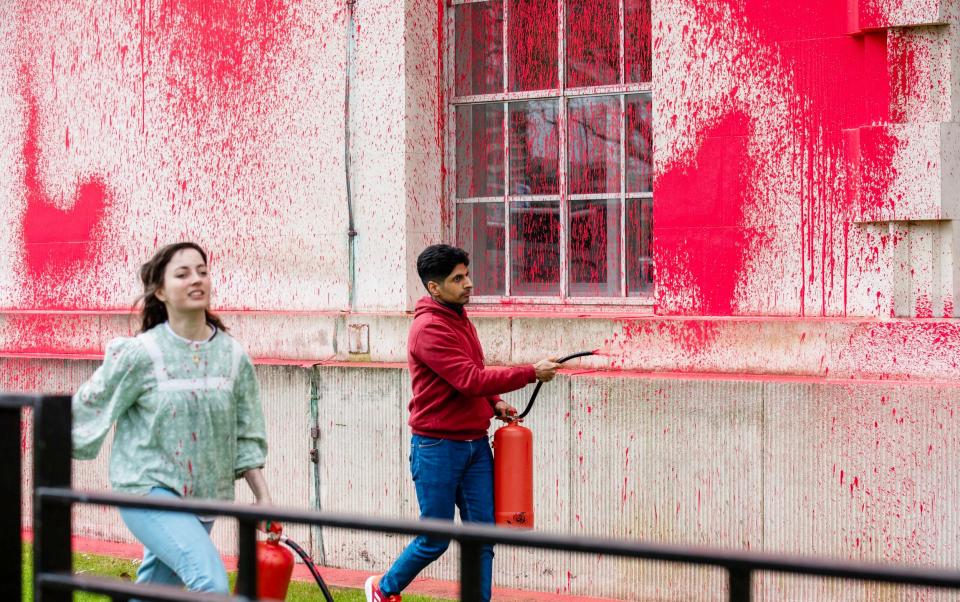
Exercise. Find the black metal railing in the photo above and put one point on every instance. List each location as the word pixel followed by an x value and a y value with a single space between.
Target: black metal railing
pixel 11 500
pixel 53 498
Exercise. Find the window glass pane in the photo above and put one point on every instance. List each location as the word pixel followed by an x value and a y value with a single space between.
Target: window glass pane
pixel 535 248
pixel 595 248
pixel 532 45
pixel 479 48
pixel 481 232
pixel 593 42
pixel 639 110
pixel 480 150
pixel 594 144
pixel 639 237
pixel 534 147
pixel 637 45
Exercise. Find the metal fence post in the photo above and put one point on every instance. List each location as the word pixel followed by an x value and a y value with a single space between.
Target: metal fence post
pixel 247 563
pixel 11 520
pixel 470 552
pixel 52 452
pixel 740 585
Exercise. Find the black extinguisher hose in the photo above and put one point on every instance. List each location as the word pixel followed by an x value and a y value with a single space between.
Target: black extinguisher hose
pixel 536 389
pixel 309 562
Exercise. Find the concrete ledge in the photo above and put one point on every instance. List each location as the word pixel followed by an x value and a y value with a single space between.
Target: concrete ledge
pixel 839 348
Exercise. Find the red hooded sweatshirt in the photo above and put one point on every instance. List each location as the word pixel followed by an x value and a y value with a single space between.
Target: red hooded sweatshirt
pixel 453 393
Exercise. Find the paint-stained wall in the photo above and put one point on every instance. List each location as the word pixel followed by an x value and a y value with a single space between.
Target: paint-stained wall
pixel 133 124
pixel 136 124
pixel 788 179
pixel 787 174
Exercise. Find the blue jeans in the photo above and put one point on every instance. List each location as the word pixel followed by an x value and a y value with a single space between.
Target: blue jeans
pixel 177 549
pixel 446 473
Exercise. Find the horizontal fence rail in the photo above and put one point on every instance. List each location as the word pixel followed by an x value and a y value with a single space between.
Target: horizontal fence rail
pixel 476 535
pixel 53 499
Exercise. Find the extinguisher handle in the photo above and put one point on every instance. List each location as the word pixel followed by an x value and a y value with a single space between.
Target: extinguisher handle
pixel 536 389
pixel 272 528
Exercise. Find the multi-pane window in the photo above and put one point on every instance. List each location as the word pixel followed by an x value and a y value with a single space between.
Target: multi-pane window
pixel 553 186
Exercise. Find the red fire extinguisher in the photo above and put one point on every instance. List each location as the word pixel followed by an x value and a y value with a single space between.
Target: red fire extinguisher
pixel 513 467
pixel 274 569
pixel 274 565
pixel 513 476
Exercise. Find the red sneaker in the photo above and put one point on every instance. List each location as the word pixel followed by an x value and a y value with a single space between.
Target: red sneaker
pixel 372 589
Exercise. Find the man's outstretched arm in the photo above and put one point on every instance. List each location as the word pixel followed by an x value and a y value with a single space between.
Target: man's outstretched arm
pixel 442 352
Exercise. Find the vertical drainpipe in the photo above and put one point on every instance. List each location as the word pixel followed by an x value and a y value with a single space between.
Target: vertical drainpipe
pixel 319 553
pixel 351 230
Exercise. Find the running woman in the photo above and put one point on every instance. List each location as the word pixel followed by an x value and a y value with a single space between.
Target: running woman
pixel 186 402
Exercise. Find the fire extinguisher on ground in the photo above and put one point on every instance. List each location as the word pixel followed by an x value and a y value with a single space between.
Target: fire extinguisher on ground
pixel 275 565
pixel 513 466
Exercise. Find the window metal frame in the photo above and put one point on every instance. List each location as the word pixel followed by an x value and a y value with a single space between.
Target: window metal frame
pixel 562 95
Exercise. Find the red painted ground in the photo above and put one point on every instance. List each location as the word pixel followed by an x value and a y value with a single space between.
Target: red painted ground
pixel 333 576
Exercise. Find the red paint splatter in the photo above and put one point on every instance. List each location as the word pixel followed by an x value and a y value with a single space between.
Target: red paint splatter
pixel 56 240
pixel 877 148
pixel 699 213
pixel 217 59
pixel 532 44
pixel 702 196
pixel 50 335
pixel 218 41
pixel 692 338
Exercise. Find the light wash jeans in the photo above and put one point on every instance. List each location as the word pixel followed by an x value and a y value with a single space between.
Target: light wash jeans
pixel 177 549
pixel 446 474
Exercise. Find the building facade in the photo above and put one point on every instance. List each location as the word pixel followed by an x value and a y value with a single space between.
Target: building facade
pixel 748 207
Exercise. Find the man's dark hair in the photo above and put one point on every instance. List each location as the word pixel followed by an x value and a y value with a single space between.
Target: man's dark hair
pixel 436 262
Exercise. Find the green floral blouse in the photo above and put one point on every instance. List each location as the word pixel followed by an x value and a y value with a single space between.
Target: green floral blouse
pixel 188 414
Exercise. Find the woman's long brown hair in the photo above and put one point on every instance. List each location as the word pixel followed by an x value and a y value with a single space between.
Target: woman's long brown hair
pixel 153 311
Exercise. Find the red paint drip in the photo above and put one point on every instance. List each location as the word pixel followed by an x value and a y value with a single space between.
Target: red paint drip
pixel 442 112
pixel 143 67
pixel 626 470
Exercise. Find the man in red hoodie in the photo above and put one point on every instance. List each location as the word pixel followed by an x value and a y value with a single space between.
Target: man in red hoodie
pixel 454 398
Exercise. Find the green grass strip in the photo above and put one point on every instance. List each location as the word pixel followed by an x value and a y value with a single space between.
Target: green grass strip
pixel 108 566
